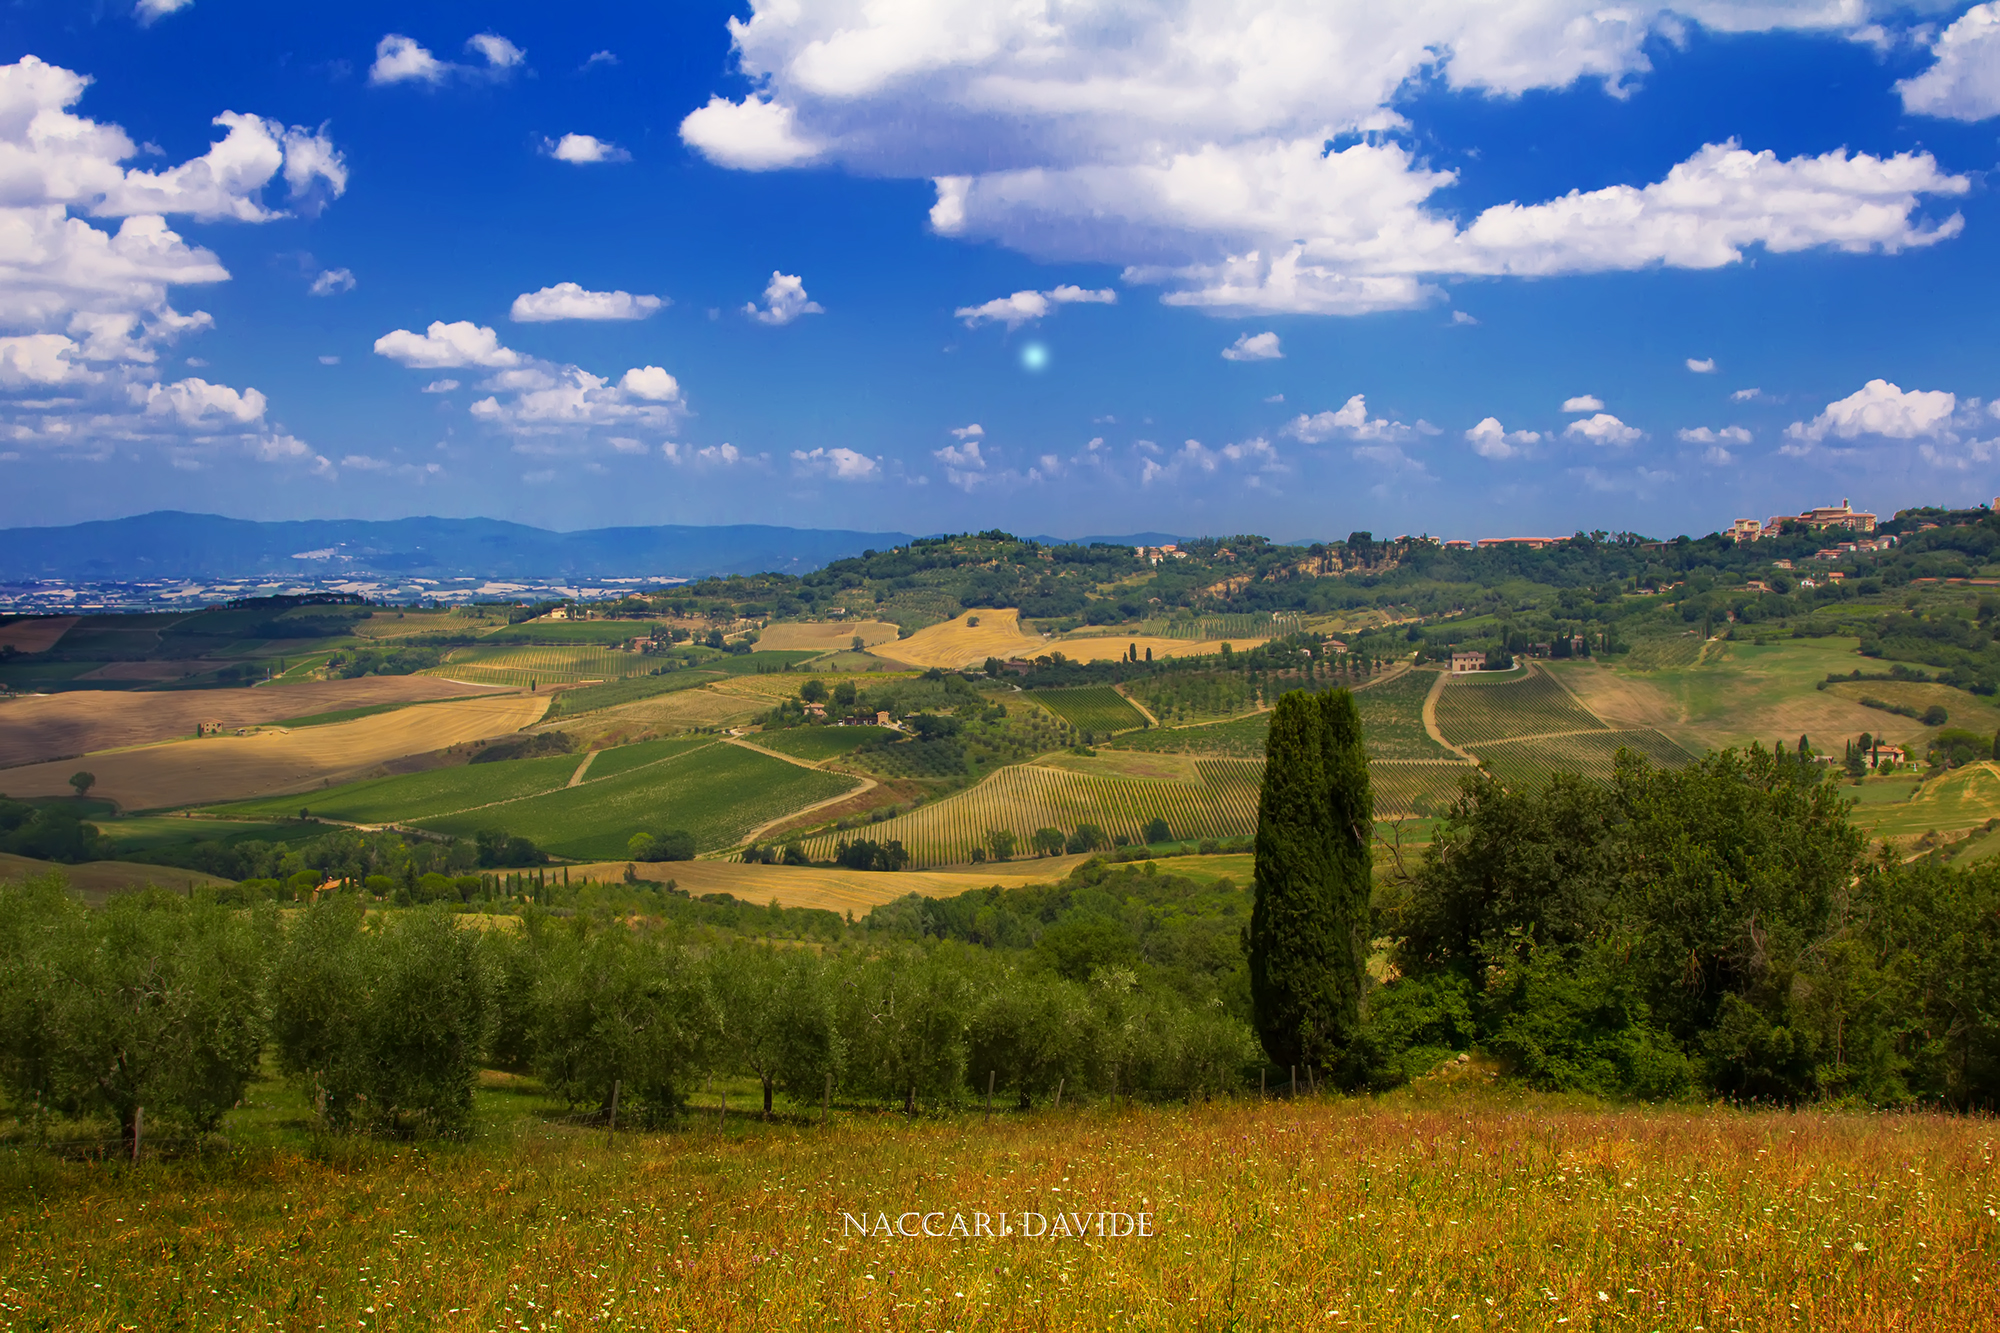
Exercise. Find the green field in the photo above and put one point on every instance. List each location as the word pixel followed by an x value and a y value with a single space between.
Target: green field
pixel 817 743
pixel 1533 705
pixel 413 796
pixel 719 792
pixel 1216 799
pixel 624 758
pixel 1097 709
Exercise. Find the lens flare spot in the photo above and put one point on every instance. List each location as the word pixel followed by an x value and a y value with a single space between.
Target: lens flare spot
pixel 1035 356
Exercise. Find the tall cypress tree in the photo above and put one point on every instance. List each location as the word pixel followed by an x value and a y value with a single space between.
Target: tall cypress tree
pixel 1308 933
pixel 1350 815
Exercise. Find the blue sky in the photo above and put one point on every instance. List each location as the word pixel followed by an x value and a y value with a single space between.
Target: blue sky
pixel 1521 266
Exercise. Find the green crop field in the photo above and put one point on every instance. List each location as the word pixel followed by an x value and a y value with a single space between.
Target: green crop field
pixel 624 758
pixel 413 796
pixel 817 743
pixel 1534 761
pixel 1220 802
pixel 718 792
pixel 1097 709
pixel 1525 706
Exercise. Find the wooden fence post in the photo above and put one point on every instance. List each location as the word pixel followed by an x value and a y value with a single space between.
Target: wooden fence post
pixel 1059 1088
pixel 1263 1085
pixel 611 1137
pixel 138 1131
pixel 826 1100
pixel 990 1075
pixel 721 1110
pixel 1312 1084
pixel 1295 1080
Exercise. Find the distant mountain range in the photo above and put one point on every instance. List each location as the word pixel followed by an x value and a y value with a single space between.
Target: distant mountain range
pixel 173 545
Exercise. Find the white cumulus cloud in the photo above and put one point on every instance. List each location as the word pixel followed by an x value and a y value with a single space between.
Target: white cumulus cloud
pixel 1588 402
pixel 652 384
pixel 447 346
pixel 569 300
pixel 1701 367
pixel 1023 307
pixel 752 135
pixel 1351 421
pixel 840 464
pixel 1704 435
pixel 401 59
pixel 151 11
pixel 1187 140
pixel 785 300
pixel 584 149
pixel 331 282
pixel 1880 408
pixel 1254 347
pixel 88 260
pixel 1489 439
pixel 1604 429
pixel 1963 82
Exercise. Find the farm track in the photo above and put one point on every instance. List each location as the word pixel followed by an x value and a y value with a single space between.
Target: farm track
pixel 1431 719
pixel 576 778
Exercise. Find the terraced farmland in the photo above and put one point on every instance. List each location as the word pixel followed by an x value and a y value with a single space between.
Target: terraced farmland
pixel 1469 714
pixel 1531 762
pixel 719 792
pixel 1221 801
pixel 1097 709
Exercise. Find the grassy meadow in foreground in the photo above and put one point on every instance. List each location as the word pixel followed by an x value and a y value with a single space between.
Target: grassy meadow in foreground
pixel 1422 1210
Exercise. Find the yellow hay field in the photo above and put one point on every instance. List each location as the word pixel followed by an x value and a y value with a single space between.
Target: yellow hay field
pixel 37 634
pixel 98 880
pixel 958 643
pixel 51 726
pixel 231 768
pixel 823 636
pixel 834 890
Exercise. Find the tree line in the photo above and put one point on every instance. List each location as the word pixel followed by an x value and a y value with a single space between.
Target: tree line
pixel 383 1021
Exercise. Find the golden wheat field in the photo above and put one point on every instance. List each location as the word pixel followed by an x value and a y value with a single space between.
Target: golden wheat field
pixel 835 890
pixel 1426 1210
pixel 958 642
pixel 269 763
pixel 1102 647
pixel 50 726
